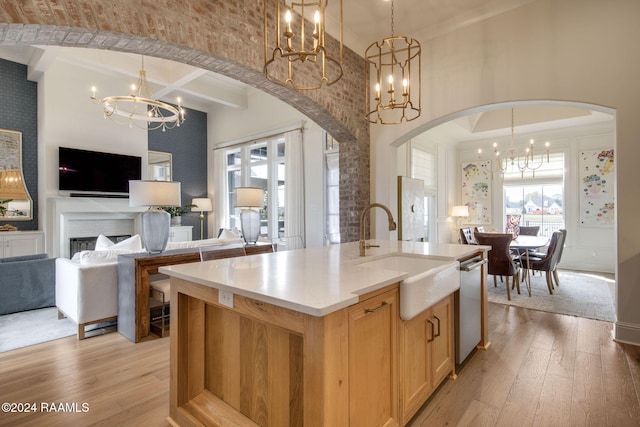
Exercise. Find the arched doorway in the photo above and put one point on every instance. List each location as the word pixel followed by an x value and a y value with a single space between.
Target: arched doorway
pixel 575 130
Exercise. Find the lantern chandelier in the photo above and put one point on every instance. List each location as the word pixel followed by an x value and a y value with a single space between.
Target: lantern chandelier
pixel 297 55
pixel 139 109
pixel 393 76
pixel 524 164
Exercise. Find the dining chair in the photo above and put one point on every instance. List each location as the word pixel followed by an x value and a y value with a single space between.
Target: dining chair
pixel 526 230
pixel 208 253
pixel 160 289
pixel 560 249
pixel 549 260
pixel 501 263
pixel 466 236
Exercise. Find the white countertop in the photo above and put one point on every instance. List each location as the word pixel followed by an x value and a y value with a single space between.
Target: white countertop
pixel 315 281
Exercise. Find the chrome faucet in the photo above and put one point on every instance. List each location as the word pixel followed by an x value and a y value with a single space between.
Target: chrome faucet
pixel 392 225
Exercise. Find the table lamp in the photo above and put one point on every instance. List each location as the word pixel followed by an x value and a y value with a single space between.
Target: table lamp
pixel 155 221
pixel 459 212
pixel 202 205
pixel 249 200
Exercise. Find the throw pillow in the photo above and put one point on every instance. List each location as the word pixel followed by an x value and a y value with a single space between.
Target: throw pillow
pixel 103 243
pixel 228 234
pixel 133 243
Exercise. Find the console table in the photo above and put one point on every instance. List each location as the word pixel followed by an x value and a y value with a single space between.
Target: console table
pixel 134 271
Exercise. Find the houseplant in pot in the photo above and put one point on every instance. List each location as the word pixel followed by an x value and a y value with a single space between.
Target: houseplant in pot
pixel 3 207
pixel 176 212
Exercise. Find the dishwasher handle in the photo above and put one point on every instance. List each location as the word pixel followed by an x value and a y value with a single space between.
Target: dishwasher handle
pixel 469 266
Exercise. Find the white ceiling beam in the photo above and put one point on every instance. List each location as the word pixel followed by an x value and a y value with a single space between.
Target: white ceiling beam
pixel 39 63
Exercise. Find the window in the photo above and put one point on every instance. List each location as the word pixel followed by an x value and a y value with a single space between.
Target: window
pixel 538 197
pixel 259 164
pixel 332 183
pixel 423 166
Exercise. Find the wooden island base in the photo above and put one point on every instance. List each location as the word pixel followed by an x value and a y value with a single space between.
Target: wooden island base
pixel 257 364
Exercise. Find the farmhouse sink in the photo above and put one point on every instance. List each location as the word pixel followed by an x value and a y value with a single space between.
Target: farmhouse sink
pixel 428 282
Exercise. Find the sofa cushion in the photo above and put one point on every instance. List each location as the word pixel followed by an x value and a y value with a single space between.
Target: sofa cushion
pixel 24 258
pixel 105 256
pixel 133 243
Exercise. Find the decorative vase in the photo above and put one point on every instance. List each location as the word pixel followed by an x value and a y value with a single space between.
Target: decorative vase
pixel 176 220
pixel 513 225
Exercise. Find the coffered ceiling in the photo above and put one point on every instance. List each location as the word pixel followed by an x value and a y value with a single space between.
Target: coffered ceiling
pixel 364 22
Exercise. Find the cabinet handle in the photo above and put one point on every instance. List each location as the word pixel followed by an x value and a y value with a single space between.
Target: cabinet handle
pixel 372 310
pixel 437 333
pixel 433 335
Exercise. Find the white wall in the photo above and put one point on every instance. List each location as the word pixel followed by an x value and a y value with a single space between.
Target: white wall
pixel 67 117
pixel 570 50
pixel 265 115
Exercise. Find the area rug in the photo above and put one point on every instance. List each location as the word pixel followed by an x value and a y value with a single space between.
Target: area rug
pixel 580 294
pixel 32 327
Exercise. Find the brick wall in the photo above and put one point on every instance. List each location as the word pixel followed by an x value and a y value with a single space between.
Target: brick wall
pixel 224 36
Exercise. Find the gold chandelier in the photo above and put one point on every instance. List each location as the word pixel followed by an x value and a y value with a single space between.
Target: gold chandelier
pixel 295 52
pixel 513 161
pixel 394 63
pixel 139 109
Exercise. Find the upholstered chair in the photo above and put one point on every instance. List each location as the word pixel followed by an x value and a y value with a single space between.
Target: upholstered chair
pixel 466 236
pixel 549 261
pixel 501 263
pixel 560 249
pixel 526 230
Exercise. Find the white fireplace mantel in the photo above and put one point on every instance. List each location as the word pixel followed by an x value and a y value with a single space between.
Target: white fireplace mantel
pixel 87 217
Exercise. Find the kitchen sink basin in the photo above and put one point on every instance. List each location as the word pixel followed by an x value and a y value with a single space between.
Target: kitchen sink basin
pixel 428 282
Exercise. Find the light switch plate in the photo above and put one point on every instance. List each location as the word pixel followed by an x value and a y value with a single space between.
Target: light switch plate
pixel 225 298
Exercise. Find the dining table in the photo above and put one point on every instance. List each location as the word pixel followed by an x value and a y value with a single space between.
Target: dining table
pixel 524 244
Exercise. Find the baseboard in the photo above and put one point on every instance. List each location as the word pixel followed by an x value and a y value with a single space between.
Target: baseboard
pixel 628 333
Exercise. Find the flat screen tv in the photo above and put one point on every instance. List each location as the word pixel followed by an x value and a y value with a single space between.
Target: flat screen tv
pixel 84 171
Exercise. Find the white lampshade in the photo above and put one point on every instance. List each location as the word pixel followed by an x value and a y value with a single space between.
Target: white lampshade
pixel 249 197
pixel 201 205
pixel 460 211
pixel 154 193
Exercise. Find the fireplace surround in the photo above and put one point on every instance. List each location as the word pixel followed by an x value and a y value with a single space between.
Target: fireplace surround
pixel 85 217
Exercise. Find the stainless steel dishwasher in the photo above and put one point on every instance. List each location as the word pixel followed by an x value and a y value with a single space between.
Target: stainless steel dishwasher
pixel 468 307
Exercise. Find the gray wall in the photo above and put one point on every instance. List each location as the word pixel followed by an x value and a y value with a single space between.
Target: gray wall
pixel 188 146
pixel 19 112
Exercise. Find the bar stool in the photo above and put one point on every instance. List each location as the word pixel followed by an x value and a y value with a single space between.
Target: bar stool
pixel 159 290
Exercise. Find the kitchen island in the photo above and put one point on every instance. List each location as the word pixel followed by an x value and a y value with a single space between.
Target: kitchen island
pixel 306 337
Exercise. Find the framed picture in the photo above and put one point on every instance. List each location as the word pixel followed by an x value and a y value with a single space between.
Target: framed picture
pixel 597 181
pixel 476 191
pixel 15 201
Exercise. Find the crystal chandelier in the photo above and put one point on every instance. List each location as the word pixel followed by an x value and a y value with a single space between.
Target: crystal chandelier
pixel 139 109
pixel 393 63
pixel 513 161
pixel 295 52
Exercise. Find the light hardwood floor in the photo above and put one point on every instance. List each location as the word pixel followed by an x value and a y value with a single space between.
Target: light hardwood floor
pixel 542 369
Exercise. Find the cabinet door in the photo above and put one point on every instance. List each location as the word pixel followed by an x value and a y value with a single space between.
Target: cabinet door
pixel 23 244
pixel 372 361
pixel 442 346
pixel 416 363
pixel 180 234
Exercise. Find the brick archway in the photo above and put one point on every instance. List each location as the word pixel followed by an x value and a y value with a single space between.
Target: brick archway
pixel 220 36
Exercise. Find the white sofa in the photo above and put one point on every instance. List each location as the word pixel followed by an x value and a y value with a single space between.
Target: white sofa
pixel 86 288
pixel 86 294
